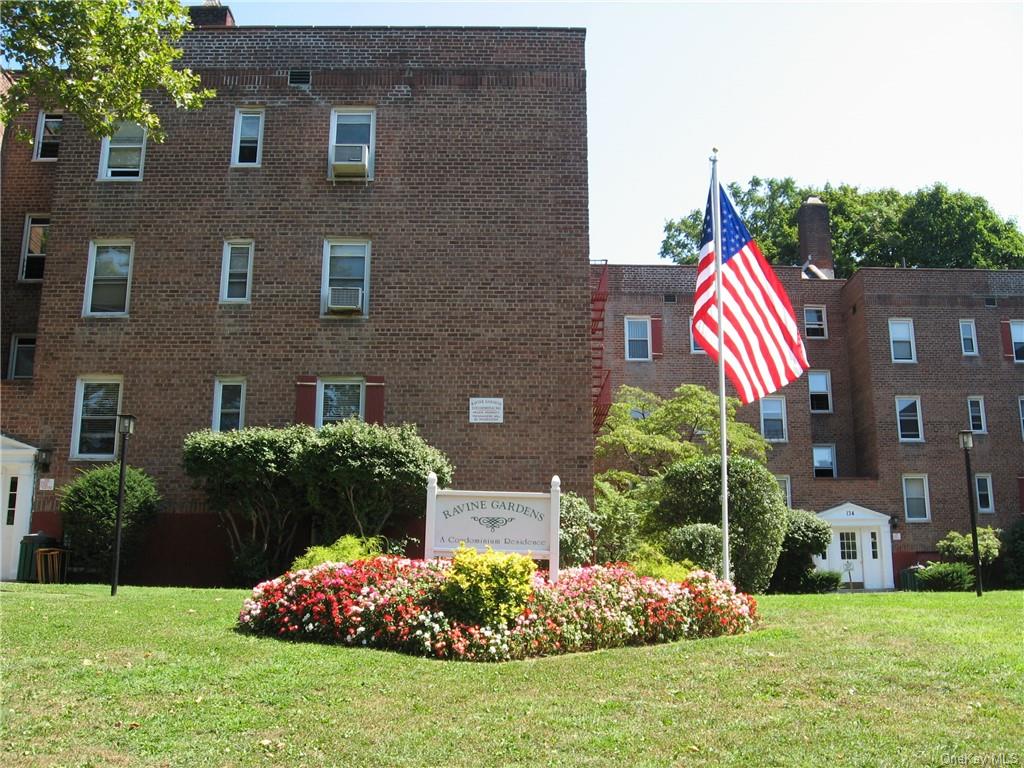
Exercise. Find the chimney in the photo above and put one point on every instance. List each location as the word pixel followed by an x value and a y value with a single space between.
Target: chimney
pixel 815 237
pixel 211 14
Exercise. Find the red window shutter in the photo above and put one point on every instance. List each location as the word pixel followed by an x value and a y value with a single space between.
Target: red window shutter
pixel 657 337
pixel 1004 329
pixel 374 405
pixel 305 400
pixel 1020 494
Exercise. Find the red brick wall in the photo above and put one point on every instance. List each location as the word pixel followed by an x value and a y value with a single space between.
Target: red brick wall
pixel 865 382
pixel 478 271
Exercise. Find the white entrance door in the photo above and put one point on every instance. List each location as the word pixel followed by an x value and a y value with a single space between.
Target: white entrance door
pixel 15 509
pixel 851 565
pixel 871 558
pixel 861 541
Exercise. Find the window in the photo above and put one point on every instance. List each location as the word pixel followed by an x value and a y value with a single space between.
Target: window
pixel 109 277
pixel 824 457
pixel 976 415
pixel 695 348
pixel 847 545
pixel 236 271
pixel 908 419
pixel 97 403
pixel 339 399
pixel 12 500
pixel 638 338
pixel 815 323
pixel 786 486
pixel 353 138
pixel 901 341
pixel 122 155
pixel 819 385
pixel 1017 340
pixel 33 246
pixel 773 419
pixel 48 130
pixel 915 498
pixel 23 355
pixel 983 493
pixel 228 404
pixel 968 338
pixel 248 139
pixel 874 545
pixel 299 77
pixel 346 278
pixel 1020 408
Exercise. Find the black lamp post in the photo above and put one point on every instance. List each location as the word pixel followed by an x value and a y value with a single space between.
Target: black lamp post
pixel 967 442
pixel 125 428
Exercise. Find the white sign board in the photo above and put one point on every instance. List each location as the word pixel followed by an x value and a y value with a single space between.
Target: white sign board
pixel 486 410
pixel 526 523
pixel 45 483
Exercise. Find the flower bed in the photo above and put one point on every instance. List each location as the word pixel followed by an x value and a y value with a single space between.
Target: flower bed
pixel 396 603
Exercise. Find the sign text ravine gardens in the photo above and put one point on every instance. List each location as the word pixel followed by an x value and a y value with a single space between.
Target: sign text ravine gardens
pixel 526 523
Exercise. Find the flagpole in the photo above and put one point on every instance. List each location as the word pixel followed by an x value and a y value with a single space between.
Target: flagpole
pixel 716 218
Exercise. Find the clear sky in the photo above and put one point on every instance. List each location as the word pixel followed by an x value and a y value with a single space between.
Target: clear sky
pixel 871 94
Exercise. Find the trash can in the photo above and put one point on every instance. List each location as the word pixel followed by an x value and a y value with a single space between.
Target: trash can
pixel 27 556
pixel 908 579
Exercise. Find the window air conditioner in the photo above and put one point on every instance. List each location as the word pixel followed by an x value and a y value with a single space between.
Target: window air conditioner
pixel 351 160
pixel 344 299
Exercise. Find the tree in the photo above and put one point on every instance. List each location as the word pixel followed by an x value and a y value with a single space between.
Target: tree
pixel 933 227
pixel 806 535
pixel 644 434
pixel 95 59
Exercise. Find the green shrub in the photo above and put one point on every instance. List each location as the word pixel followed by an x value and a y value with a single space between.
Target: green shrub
pixel 619 521
pixel 700 543
pixel 251 480
pixel 1013 555
pixel 347 549
pixel 959 547
pixel 488 588
pixel 757 513
pixel 361 477
pixel 88 508
pixel 946 577
pixel 806 535
pixel 578 532
pixel 648 560
pixel 819 582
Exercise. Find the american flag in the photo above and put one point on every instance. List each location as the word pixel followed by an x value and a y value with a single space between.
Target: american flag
pixel 763 348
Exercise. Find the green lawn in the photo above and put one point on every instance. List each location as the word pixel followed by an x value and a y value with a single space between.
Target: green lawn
pixel 158 677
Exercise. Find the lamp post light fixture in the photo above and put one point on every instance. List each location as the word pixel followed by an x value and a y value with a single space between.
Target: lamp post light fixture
pixel 125 428
pixel 967 443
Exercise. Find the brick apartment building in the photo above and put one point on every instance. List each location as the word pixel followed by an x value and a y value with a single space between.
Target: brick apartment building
pixel 901 361
pixel 376 221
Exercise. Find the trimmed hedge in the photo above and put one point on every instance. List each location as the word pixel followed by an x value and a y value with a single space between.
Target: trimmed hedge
pixel 700 543
pixel 946 577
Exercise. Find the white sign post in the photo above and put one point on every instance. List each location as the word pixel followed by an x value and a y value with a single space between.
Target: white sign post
pixel 526 523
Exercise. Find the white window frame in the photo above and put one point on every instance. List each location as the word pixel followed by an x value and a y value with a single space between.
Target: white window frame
pixel 991 508
pixel 835 464
pixel 1018 324
pixel 695 348
pixel 218 386
pixel 969 322
pixel 13 357
pixel 625 338
pixel 984 418
pixel 786 486
pixel 913 341
pixel 927 498
pixel 90 273
pixel 828 389
pixel 77 423
pixel 236 137
pixel 320 382
pixel 38 145
pixel 225 264
pixel 371 160
pixel 824 321
pixel 24 247
pixel 785 419
pixel 104 172
pixel 325 277
pixel 920 419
